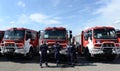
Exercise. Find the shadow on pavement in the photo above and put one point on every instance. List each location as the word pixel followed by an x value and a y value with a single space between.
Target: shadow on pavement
pixel 81 61
pixel 20 59
pixel 104 61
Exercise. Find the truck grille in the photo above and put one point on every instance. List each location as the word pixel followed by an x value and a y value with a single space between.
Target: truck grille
pixel 107 50
pixel 9 45
pixel 10 50
pixel 108 45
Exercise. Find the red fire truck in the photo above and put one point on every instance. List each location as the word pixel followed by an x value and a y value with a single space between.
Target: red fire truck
pixel 19 41
pixel 100 41
pixel 53 34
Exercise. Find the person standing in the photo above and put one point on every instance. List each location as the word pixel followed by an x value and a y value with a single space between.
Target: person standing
pixel 57 49
pixel 77 50
pixel 71 53
pixel 43 54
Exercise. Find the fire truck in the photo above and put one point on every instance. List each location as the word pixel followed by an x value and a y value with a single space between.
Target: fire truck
pixel 56 34
pixel 19 41
pixel 99 41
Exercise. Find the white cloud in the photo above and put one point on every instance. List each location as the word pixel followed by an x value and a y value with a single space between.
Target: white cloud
pixel 12 22
pixel 107 14
pixel 43 19
pixel 117 21
pixel 5 27
pixel 38 17
pixel 33 21
pixel 57 18
pixel 23 19
pixel 116 24
pixel 103 2
pixel 52 21
pixel 86 9
pixel 55 2
pixel 22 4
pixel 1 20
pixel 110 9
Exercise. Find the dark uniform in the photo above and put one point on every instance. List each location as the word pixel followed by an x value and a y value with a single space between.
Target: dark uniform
pixel 43 55
pixel 77 46
pixel 57 49
pixel 78 50
pixel 71 53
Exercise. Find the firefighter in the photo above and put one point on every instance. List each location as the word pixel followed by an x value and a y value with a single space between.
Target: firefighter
pixel 71 51
pixel 77 50
pixel 77 46
pixel 57 49
pixel 43 54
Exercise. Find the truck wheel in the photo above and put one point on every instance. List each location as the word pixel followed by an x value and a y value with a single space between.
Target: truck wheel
pixel 87 55
pixel 0 55
pixel 30 53
pixel 111 58
pixel 9 56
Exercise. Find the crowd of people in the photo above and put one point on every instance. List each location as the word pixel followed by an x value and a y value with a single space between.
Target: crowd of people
pixel 71 53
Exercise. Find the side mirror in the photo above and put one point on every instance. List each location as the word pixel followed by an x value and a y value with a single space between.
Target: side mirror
pixel 39 33
pixel 70 32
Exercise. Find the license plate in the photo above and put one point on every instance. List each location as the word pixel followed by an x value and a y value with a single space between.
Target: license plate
pixel 9 50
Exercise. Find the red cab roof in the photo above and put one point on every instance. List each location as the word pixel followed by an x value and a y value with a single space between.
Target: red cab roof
pixel 55 28
pixel 19 29
pixel 99 27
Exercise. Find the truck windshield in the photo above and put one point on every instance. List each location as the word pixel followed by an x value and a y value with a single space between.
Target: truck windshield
pixel 14 34
pixel 105 33
pixel 55 34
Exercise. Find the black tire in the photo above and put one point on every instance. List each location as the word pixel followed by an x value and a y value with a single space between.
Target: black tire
pixel 87 54
pixel 0 55
pixel 30 54
pixel 35 51
pixel 111 58
pixel 9 56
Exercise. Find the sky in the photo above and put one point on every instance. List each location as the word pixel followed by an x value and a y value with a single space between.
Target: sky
pixel 75 15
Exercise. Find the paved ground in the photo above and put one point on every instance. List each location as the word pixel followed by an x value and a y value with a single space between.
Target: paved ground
pixel 21 64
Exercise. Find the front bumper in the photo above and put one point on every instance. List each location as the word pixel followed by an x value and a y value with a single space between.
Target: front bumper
pixel 96 51
pixel 113 50
pixel 117 51
pixel 12 50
